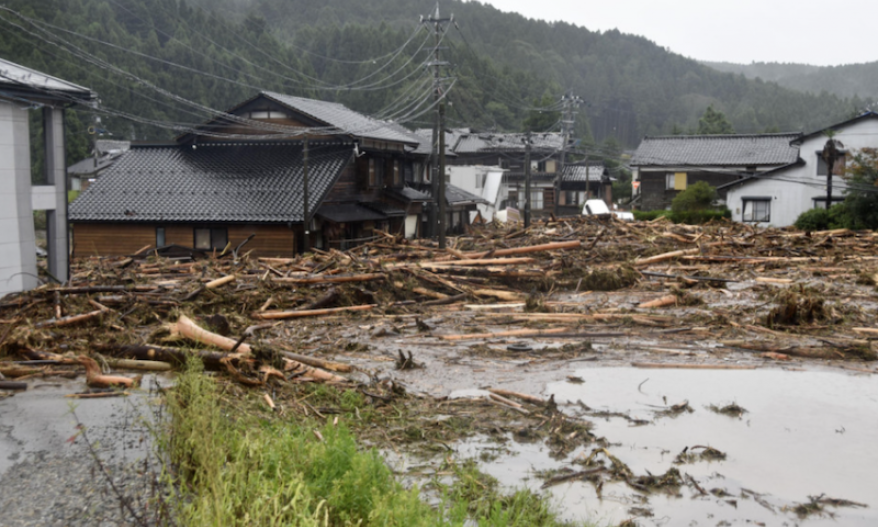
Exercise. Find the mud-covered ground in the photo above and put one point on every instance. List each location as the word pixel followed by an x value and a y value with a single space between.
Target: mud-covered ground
pixel 615 341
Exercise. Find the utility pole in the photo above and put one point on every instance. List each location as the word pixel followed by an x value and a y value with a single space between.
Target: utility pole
pixel 568 119
pixel 587 178
pixel 436 212
pixel 307 213
pixel 527 171
pixel 441 197
pixel 831 153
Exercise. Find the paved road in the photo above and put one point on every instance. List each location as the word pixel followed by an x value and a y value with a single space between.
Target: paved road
pixel 49 476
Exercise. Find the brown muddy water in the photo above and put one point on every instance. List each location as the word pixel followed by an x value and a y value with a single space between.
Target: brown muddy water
pixel 805 433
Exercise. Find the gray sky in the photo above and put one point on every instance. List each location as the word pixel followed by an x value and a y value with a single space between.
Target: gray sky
pixel 741 31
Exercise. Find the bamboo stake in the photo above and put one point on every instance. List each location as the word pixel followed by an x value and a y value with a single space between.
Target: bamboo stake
pixel 511 333
pixel 277 315
pixel 335 279
pixel 518 395
pixel 667 300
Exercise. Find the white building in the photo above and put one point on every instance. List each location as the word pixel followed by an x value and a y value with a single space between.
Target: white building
pixel 778 197
pixel 23 90
pixel 483 181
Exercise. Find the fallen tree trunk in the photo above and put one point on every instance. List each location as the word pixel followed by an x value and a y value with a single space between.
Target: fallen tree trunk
pixel 575 244
pixel 175 356
pixel 189 329
pixel 12 385
pixel 319 363
pixel 70 320
pixel 663 257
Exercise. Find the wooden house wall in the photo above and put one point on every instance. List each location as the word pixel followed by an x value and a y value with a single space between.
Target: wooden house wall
pixel 117 239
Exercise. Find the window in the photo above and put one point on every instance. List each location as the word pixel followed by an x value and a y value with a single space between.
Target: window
pixel 214 238
pixel 373 175
pixel 541 166
pixel 536 199
pixel 676 181
pixel 838 170
pixel 757 210
pixel 512 198
pixel 160 237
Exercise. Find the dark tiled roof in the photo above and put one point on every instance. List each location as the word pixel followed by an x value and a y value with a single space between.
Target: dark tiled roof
pixel 343 118
pixel 717 150
pixel 348 212
pixel 458 196
pixel 579 173
pixel 409 194
pixel 383 208
pixel 90 165
pixel 481 143
pixel 216 182
pixel 865 115
pixel 18 78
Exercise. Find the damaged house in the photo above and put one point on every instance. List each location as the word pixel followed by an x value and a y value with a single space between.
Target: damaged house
pixel 246 177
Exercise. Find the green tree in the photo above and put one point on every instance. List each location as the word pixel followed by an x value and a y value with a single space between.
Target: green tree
pixel 861 196
pixel 697 197
pixel 543 120
pixel 714 122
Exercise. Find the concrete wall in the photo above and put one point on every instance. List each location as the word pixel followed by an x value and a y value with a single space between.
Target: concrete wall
pixel 18 260
pixel 18 199
pixel 792 191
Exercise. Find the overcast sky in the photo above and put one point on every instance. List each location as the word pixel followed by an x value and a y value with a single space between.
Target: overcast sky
pixel 741 31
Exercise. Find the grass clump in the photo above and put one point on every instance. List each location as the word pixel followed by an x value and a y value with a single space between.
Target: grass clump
pixel 235 468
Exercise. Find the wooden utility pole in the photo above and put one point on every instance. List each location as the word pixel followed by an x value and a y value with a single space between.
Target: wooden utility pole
pixel 568 119
pixel 440 224
pixel 306 212
pixel 527 175
pixel 831 153
pixel 436 212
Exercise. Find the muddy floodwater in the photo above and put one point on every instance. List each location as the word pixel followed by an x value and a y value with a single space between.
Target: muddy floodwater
pixel 804 433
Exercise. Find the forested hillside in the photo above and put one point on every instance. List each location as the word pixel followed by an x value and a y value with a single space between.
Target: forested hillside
pixel 845 81
pixel 162 66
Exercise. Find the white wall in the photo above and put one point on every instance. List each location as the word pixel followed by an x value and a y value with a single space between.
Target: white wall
pixel 492 188
pixel 18 261
pixel 792 190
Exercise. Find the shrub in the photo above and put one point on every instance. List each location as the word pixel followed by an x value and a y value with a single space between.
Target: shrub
pixel 699 196
pixel 819 219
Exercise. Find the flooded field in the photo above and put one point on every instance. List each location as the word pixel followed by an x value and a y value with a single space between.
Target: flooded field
pixel 803 434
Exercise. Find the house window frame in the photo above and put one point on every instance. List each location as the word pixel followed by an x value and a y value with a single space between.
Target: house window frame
pixel 670 181
pixel 537 199
pixel 754 216
pixel 838 169
pixel 161 237
pixel 214 235
pixel 372 180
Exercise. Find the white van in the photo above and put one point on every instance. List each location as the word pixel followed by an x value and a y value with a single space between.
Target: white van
pixel 597 207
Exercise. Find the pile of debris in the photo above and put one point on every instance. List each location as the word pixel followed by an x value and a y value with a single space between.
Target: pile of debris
pixel 153 308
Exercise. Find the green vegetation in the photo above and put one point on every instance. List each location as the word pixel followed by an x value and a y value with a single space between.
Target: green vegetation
pixel 860 207
pixel 226 50
pixel 714 122
pixel 687 217
pixel 696 198
pixel 239 467
pixel 847 80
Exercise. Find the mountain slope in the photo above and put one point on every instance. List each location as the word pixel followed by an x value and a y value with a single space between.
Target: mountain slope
pixel 844 81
